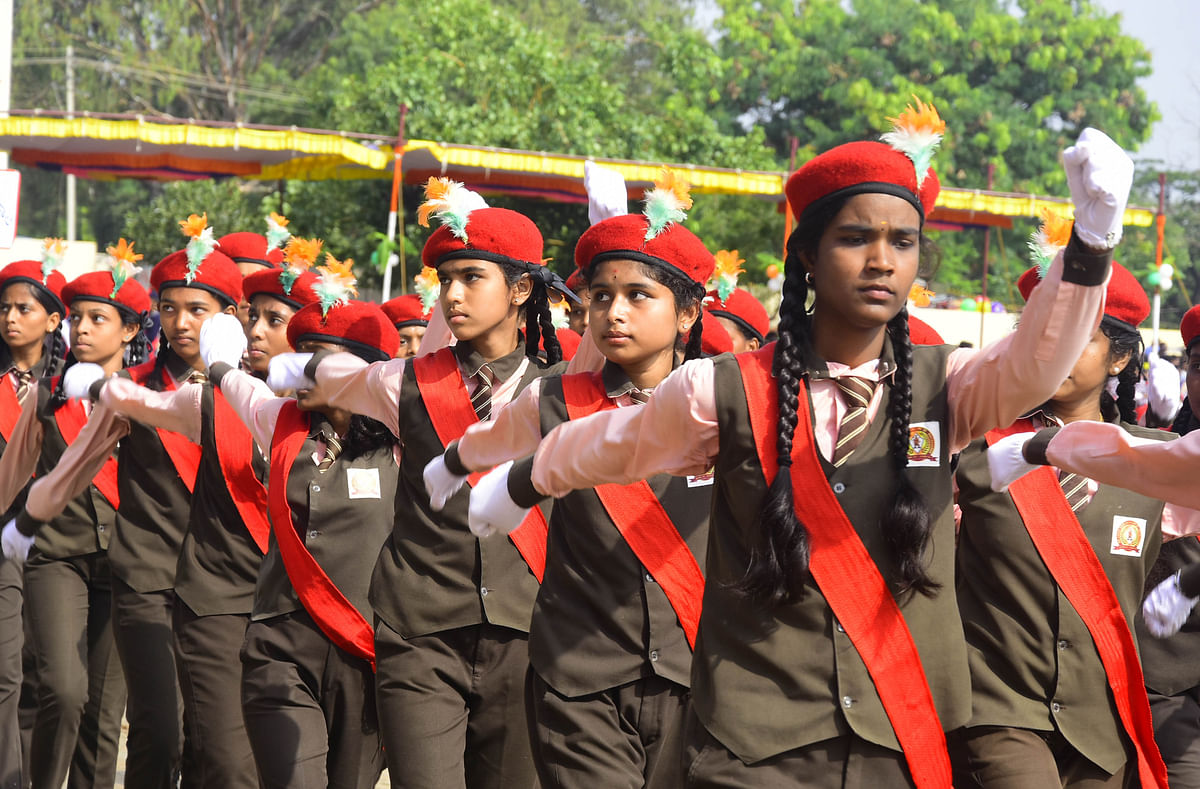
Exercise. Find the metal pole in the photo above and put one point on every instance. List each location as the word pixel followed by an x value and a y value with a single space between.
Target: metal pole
pixel 70 109
pixel 1160 221
pixel 987 246
pixel 395 209
pixel 6 35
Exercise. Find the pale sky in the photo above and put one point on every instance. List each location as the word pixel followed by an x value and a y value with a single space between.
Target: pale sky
pixel 1170 29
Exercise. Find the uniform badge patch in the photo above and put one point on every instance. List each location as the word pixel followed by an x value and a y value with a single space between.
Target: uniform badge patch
pixel 1128 536
pixel 924 444
pixel 702 479
pixel 363 483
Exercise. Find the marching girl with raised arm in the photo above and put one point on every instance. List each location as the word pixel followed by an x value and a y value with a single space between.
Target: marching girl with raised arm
pixel 308 688
pixel 610 641
pixel 32 311
pixel 68 581
pixel 1050 576
pixel 830 651
pixel 452 612
pixel 156 475
pixel 227 528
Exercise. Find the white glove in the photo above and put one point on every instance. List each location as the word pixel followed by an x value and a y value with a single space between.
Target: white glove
pixel 1162 388
pixel 606 192
pixel 440 482
pixel 1166 608
pixel 222 339
pixel 1006 460
pixel 286 372
pixel 16 545
pixel 78 379
pixel 492 508
pixel 1100 175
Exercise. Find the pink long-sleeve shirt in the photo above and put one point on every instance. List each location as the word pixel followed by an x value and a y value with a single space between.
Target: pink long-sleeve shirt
pixel 676 431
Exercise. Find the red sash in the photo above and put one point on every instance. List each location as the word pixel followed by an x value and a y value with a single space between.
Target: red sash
pixel 334 614
pixel 1072 562
pixel 235 453
pixel 10 406
pixel 183 453
pixel 70 419
pixel 641 519
pixel 850 580
pixel 450 411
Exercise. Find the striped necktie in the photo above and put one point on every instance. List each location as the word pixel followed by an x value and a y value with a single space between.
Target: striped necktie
pixel 24 379
pixel 853 427
pixel 333 448
pixel 481 400
pixel 197 377
pixel 639 397
pixel 1075 488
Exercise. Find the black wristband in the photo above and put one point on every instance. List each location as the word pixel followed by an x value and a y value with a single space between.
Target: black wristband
pixel 1189 580
pixel 217 371
pixel 27 524
pixel 453 462
pixel 96 388
pixel 1034 450
pixel 520 484
pixel 1083 265
pixel 310 369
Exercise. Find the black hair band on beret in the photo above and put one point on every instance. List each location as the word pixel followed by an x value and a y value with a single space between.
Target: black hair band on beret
pixel 642 257
pixel 539 272
pixel 127 315
pixel 1120 325
pixel 868 187
pixel 290 302
pixel 44 295
pixel 368 353
pixel 222 296
pixel 414 322
pixel 741 322
pixel 259 261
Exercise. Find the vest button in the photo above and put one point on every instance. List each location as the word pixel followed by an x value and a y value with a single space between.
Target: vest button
pixel 1056 706
pixel 654 656
pixel 847 702
pixel 649 578
pixel 838 487
pixel 312 535
pixel 483 592
pixel 1064 644
pixel 839 627
pixel 316 488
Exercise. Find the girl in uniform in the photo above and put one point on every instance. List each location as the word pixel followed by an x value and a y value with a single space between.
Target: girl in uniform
pixel 308 691
pixel 826 655
pixel 68 582
pixel 155 477
pixel 32 310
pixel 226 534
pixel 610 641
pixel 410 315
pixel 1057 691
pixel 452 612
pixel 736 309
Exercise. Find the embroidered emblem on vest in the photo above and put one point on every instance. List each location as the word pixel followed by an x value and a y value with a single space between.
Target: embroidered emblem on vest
pixel 363 483
pixel 923 440
pixel 701 480
pixel 1128 537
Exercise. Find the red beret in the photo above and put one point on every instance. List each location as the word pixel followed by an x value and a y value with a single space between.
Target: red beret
pixel 250 248
pixel 407 310
pixel 217 274
pixel 361 326
pixel 1124 300
pixel 30 272
pixel 675 248
pixel 921 333
pixel 714 339
pixel 860 168
pixel 268 281
pixel 576 282
pixel 743 309
pixel 98 286
pixel 495 234
pixel 1189 327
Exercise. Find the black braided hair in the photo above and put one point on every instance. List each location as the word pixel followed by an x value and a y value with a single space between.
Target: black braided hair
pixel 56 347
pixel 161 359
pixel 539 325
pixel 58 398
pixel 1122 339
pixel 687 292
pixel 909 527
pixel 365 436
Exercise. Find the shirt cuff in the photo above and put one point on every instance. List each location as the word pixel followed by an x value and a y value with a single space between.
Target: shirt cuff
pixel 520 484
pixel 1083 265
pixel 1036 447
pixel 453 462
pixel 28 525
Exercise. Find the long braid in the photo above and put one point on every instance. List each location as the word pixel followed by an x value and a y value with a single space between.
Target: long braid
pixel 58 398
pixel 695 341
pixel 778 566
pixel 545 321
pixel 909 526
pixel 1122 340
pixel 155 379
